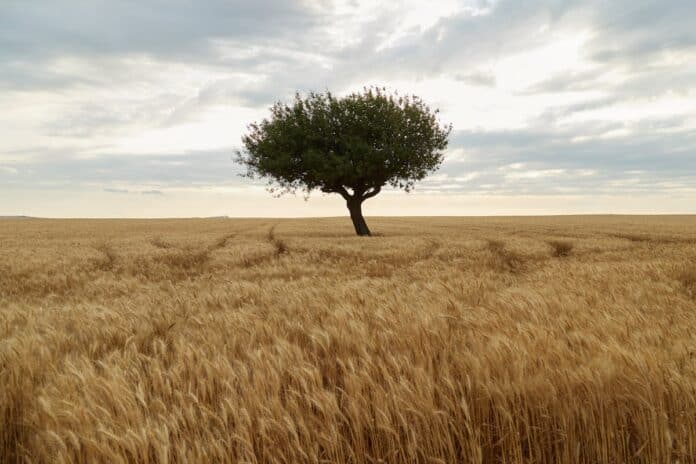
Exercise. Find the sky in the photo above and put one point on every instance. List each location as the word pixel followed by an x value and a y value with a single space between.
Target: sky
pixel 134 108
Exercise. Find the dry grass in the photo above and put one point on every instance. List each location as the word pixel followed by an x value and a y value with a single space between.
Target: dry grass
pixel 687 276
pixel 160 243
pixel 561 248
pixel 440 340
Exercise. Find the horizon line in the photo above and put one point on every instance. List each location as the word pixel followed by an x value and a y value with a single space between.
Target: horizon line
pixel 223 217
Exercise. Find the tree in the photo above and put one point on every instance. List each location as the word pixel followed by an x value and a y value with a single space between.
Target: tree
pixel 352 146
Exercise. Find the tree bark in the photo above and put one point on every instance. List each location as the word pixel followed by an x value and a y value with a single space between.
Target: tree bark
pixel 355 208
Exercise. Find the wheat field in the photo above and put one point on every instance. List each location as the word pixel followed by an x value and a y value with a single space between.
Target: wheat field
pixel 439 340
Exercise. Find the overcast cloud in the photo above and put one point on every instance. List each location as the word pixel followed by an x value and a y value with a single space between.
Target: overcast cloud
pixel 144 102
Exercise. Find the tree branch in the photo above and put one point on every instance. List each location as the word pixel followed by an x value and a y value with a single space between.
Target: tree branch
pixel 342 191
pixel 372 193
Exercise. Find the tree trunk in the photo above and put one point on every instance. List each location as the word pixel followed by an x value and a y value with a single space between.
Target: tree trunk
pixel 355 208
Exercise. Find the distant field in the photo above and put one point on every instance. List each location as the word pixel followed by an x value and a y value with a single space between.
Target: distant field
pixel 441 340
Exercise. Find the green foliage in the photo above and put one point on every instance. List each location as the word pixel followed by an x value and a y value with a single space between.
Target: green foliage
pixel 352 145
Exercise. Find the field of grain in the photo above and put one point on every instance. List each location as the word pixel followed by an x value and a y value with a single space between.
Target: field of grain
pixel 439 340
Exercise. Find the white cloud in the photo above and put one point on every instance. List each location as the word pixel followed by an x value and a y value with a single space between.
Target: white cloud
pixel 534 174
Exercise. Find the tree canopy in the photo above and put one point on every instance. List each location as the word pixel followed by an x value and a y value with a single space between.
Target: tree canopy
pixel 352 145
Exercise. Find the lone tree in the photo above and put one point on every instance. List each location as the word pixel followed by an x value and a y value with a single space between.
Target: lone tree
pixel 352 146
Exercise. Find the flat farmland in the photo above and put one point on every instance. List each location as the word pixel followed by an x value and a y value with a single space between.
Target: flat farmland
pixel 473 340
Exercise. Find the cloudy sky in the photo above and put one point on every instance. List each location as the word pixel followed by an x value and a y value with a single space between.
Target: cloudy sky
pixel 134 108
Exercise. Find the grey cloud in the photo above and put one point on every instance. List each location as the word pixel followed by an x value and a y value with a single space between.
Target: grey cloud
pixel 641 29
pixel 553 114
pixel 627 35
pixel 235 92
pixel 464 40
pixel 33 35
pixel 631 36
pixel 645 161
pixel 486 79
pixel 20 75
pixel 87 120
pixel 568 82
pixel 156 27
pixel 108 117
pixel 190 169
pixel 144 192
pixel 267 33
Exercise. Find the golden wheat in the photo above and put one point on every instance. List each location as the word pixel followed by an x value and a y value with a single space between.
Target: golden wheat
pixel 472 340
